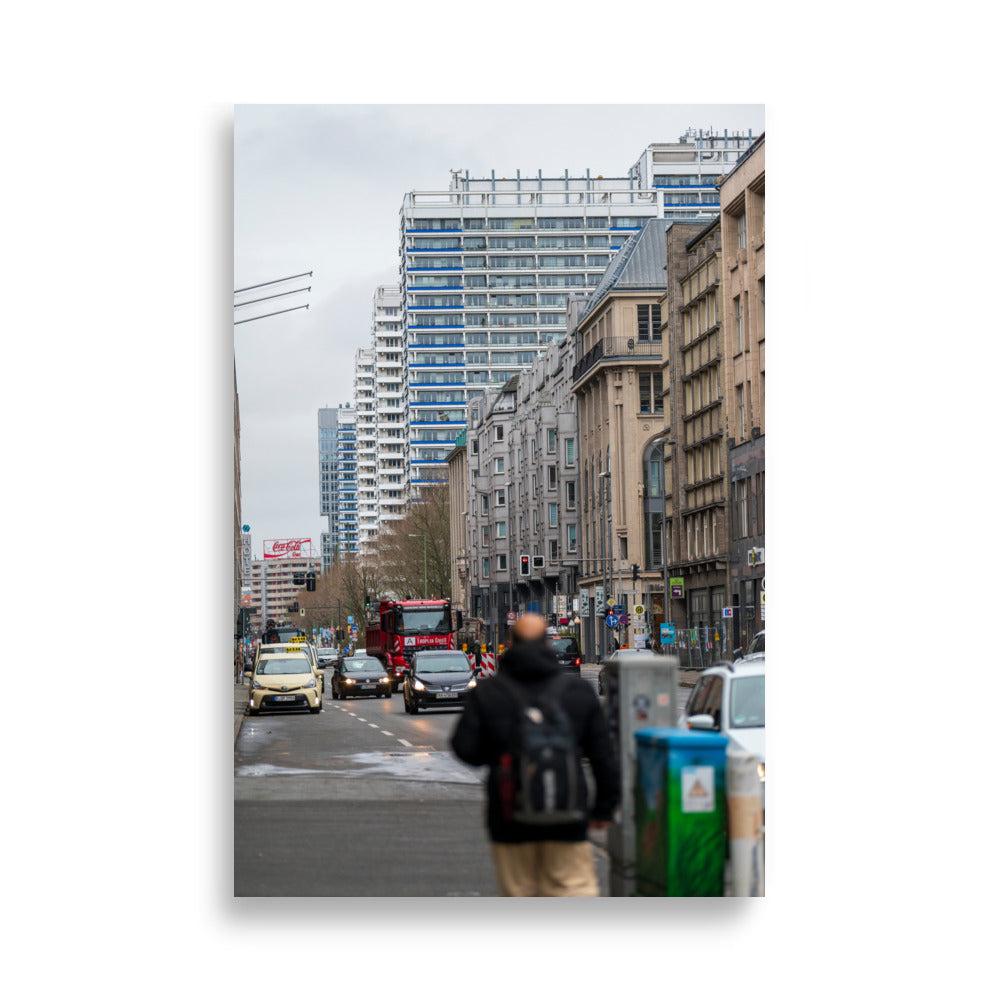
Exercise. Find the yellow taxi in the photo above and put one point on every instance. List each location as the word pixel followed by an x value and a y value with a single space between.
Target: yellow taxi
pixel 301 642
pixel 282 681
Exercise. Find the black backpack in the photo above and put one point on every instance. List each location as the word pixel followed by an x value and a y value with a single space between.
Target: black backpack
pixel 540 779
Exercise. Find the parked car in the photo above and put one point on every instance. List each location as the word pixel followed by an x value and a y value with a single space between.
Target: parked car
pixel 755 648
pixel 355 676
pixel 567 652
pixel 729 699
pixel 438 678
pixel 618 656
pixel 283 681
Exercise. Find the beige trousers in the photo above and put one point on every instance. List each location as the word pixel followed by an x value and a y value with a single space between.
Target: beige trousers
pixel 546 868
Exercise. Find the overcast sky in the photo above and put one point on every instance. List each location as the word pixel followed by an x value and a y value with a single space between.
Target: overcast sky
pixel 319 188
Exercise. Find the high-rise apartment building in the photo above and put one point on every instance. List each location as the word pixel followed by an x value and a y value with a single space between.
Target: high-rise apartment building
pixel 388 349
pixel 364 405
pixel 338 484
pixel 487 266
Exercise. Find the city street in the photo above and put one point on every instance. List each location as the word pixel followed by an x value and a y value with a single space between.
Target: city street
pixel 360 800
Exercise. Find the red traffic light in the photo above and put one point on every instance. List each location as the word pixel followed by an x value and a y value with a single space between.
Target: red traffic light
pixel 525 566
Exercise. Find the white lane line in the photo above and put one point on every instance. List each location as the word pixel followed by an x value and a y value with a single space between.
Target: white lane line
pixel 406 743
pixel 374 725
pixel 384 733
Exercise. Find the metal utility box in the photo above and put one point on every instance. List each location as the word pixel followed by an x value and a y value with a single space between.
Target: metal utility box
pixel 680 813
pixel 641 693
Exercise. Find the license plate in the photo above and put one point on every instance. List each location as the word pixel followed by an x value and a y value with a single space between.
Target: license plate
pixel 367 687
pixel 448 694
pixel 284 697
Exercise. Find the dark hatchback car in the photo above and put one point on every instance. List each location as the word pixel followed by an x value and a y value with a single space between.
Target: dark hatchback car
pixel 355 676
pixel 437 679
pixel 567 653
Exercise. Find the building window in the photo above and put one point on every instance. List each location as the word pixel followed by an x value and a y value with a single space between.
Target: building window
pixel 486 535
pixel 551 447
pixel 498 465
pixel 552 476
pixel 500 498
pixel 501 562
pixel 499 433
pixel 571 494
pixel 484 504
pixel 741 231
pixel 571 451
pixel 553 550
pixel 649 322
pixel 738 306
pixel 741 413
pixel 571 538
pixel 650 392
pixel 486 566
pixel 553 515
pixel 501 529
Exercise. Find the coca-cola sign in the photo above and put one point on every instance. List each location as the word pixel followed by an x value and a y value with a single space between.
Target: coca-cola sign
pixel 287 548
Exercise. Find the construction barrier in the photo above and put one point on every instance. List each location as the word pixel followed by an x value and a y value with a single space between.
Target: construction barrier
pixel 487 663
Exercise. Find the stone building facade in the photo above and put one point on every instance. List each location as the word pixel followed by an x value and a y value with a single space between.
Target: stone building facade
pixel 742 225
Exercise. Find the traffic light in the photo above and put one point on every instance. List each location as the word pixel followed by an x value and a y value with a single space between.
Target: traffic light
pixel 635 572
pixel 298 579
pixel 525 566
pixel 294 606
pixel 552 618
pixel 368 602
pixel 311 581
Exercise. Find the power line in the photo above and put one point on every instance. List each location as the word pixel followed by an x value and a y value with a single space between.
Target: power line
pixel 278 313
pixel 277 281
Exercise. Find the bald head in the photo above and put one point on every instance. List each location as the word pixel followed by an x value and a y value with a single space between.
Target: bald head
pixel 528 628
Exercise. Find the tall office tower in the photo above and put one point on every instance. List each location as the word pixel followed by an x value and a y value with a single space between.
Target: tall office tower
pixel 364 404
pixel 487 267
pixel 387 344
pixel 338 482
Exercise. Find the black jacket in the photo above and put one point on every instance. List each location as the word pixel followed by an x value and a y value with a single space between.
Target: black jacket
pixel 483 733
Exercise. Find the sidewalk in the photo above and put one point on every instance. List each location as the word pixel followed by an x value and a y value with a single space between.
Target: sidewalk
pixel 241 695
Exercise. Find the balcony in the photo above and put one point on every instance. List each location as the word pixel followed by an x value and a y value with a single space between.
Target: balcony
pixel 617 349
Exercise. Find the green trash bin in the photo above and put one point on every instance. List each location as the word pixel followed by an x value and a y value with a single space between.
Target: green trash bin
pixel 680 813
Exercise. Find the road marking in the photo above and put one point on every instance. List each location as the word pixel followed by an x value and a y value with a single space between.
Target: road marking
pixel 374 725
pixel 406 743
pixel 384 733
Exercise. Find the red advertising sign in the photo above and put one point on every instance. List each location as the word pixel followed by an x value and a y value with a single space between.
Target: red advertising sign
pixel 287 548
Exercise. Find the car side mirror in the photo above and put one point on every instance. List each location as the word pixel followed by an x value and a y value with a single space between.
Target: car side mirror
pixel 701 722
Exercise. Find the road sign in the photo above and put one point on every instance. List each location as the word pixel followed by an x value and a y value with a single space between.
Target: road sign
pixel 350 619
pixel 638 611
pixel 599 598
pixel 612 621
pixel 623 620
pixel 584 602
pixel 618 609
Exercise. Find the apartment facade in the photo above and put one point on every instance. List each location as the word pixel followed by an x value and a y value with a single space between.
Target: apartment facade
pixel 273 590
pixel 390 445
pixel 743 274
pixel 366 437
pixel 338 484
pixel 695 456
pixel 619 384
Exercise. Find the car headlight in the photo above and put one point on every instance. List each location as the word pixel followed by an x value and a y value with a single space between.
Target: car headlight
pixel 418 685
pixel 257 686
pixel 385 680
pixel 472 683
pixel 760 770
pixel 311 683
pixel 348 680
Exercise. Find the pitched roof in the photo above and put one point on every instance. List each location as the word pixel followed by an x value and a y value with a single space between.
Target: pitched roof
pixel 638 266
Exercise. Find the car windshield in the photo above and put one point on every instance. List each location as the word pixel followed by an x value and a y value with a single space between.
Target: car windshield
pixel 757 644
pixel 284 665
pixel 746 702
pixel 432 621
pixel 361 664
pixel 566 645
pixel 441 664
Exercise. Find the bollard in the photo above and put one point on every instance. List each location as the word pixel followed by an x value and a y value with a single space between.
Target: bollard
pixel 744 802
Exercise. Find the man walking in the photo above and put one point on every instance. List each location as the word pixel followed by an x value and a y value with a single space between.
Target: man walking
pixel 532 859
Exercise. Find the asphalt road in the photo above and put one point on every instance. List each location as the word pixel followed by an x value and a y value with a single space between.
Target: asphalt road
pixel 361 800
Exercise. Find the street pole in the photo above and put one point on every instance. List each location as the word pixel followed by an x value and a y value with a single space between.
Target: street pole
pixel 605 549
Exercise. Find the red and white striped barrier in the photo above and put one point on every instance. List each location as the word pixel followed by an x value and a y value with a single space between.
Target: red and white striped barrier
pixel 487 663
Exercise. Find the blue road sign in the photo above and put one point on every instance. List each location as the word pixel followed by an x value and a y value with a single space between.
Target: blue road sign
pixel 612 621
pixel 618 609
pixel 623 620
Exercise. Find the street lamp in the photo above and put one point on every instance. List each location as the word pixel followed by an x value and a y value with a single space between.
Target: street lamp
pixel 663 520
pixel 424 537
